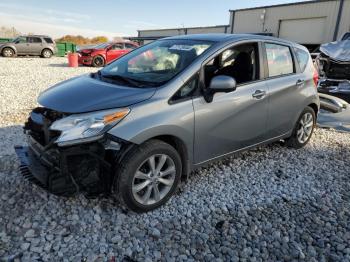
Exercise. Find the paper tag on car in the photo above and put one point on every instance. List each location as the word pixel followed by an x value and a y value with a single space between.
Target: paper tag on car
pixel 181 47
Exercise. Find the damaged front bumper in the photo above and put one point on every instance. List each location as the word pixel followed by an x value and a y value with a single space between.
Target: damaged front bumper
pixel 65 171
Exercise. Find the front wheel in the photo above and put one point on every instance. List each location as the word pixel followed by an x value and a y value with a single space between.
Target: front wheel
pixel 148 176
pixel 8 52
pixel 98 61
pixel 303 129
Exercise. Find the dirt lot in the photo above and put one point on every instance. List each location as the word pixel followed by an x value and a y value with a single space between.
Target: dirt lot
pixel 268 204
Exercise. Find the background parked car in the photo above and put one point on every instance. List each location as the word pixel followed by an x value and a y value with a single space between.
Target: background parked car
pixel 41 45
pixel 103 54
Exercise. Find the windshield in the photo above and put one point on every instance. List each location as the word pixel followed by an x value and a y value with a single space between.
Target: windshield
pixel 102 46
pixel 156 63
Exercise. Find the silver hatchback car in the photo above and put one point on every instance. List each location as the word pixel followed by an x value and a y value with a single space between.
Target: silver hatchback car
pixel 140 125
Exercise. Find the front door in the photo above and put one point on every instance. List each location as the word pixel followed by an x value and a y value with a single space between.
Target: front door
pixel 21 45
pixel 235 120
pixel 115 51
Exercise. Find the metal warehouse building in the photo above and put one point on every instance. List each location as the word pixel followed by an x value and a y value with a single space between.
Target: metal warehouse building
pixel 150 35
pixel 310 23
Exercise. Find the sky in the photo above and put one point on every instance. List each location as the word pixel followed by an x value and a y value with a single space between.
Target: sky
pixel 116 17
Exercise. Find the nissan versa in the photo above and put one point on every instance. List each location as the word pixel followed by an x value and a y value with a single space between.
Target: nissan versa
pixel 140 125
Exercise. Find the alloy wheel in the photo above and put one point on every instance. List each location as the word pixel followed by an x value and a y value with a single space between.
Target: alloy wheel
pixel 153 179
pixel 47 54
pixel 305 127
pixel 98 61
pixel 8 52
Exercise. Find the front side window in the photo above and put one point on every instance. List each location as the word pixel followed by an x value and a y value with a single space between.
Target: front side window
pixel 156 63
pixel 117 47
pixel 302 57
pixel 19 39
pixel 240 62
pixel 279 60
pixel 129 46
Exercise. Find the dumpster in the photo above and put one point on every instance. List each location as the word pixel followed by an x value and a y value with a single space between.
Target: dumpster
pixel 4 40
pixel 65 47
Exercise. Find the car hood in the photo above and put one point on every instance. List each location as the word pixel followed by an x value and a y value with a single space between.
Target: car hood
pixel 85 94
pixel 339 51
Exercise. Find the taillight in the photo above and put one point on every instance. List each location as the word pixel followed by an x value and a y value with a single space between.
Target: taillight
pixel 315 77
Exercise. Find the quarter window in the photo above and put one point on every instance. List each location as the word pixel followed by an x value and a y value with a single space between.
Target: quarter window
pixel 48 40
pixel 187 90
pixel 302 57
pixel 279 59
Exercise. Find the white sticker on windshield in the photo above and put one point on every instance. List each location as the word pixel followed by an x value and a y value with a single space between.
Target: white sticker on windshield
pixel 181 47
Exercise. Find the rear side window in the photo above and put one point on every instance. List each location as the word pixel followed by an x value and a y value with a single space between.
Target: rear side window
pixel 302 57
pixel 33 40
pixel 279 59
pixel 48 40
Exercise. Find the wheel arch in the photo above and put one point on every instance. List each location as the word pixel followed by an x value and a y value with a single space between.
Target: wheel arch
pixel 11 47
pixel 181 148
pixel 314 107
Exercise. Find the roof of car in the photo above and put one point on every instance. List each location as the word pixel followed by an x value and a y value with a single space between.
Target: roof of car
pixel 35 36
pixel 228 37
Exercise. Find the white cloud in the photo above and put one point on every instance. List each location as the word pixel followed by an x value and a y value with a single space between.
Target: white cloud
pixel 45 25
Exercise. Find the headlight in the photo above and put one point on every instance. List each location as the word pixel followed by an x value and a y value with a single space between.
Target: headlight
pixel 86 127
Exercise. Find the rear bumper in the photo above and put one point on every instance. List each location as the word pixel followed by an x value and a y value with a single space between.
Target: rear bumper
pixel 67 171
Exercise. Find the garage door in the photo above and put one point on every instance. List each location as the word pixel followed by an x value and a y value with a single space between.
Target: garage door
pixel 304 31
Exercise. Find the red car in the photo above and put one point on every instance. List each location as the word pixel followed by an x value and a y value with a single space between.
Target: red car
pixel 104 53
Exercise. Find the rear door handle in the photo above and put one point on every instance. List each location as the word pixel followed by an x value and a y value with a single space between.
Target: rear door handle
pixel 300 83
pixel 258 94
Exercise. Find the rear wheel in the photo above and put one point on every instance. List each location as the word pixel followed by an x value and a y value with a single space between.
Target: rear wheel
pixel 148 176
pixel 8 52
pixel 98 61
pixel 303 129
pixel 46 53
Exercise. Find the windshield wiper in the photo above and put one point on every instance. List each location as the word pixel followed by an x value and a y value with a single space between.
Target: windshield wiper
pixel 130 81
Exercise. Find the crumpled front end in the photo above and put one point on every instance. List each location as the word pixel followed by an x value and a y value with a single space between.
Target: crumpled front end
pixel 64 170
pixel 333 64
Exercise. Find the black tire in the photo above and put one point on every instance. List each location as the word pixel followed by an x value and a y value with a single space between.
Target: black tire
pixel 8 52
pixel 294 140
pixel 98 61
pixel 132 162
pixel 46 53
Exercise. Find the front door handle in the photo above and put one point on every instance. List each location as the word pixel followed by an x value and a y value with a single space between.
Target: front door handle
pixel 300 83
pixel 258 94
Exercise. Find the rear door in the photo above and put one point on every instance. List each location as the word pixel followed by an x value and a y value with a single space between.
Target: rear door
pixel 114 51
pixel 35 45
pixel 286 86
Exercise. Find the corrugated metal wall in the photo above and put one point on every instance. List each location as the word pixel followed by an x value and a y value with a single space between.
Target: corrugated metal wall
pixel 182 31
pixel 251 21
pixel 345 19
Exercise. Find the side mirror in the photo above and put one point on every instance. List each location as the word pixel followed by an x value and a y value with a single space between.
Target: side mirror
pixel 222 83
pixel 17 42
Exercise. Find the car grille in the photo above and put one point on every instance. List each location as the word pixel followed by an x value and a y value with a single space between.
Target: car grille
pixel 38 124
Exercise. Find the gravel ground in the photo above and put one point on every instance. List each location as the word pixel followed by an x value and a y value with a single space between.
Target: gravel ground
pixel 268 204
